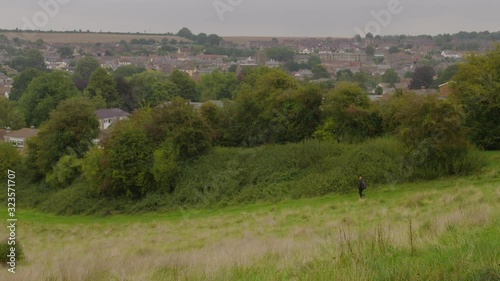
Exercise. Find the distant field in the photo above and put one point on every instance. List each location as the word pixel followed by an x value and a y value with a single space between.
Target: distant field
pixel 105 38
pixel 85 37
pixel 438 230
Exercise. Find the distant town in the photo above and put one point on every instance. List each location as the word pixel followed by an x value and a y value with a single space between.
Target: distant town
pixel 196 55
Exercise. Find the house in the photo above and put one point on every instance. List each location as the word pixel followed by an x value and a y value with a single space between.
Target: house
pixel 110 116
pixel 19 137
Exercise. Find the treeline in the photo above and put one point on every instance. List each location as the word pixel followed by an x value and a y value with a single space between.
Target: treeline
pixel 163 140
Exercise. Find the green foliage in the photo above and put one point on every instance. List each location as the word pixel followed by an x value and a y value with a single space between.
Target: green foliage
pixel 390 76
pixel 217 85
pixel 281 54
pixel 431 130
pixel 422 78
pixel 128 158
pixel 393 50
pixel 446 75
pixel 65 52
pixel 271 107
pixel 165 164
pixel 477 88
pixel 44 94
pixel 22 81
pixel 186 85
pixel 10 115
pixel 64 172
pixel 127 71
pixel 70 130
pixel 151 88
pixel 351 117
pixel 183 125
pixel 91 168
pixel 344 75
pixel 5 250
pixel 29 58
pixel 101 84
pixel 370 51
pixel 84 68
pixel 142 154
pixel 10 159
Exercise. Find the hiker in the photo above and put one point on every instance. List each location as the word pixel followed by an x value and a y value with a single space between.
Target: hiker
pixel 361 187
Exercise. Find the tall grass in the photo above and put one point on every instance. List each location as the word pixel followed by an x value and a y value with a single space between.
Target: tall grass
pixel 453 236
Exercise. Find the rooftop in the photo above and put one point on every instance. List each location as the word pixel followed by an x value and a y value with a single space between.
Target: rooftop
pixel 111 113
pixel 22 134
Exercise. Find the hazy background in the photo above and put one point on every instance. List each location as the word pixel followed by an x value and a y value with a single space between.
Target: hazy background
pixel 259 17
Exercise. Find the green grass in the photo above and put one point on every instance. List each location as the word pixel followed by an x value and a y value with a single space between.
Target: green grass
pixel 445 229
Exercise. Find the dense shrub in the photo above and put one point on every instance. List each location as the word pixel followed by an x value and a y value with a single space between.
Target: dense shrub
pixel 5 250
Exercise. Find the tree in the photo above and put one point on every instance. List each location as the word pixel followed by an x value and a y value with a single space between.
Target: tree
pixel 65 52
pixel 476 86
pixel 127 71
pixel 432 131
pixel 29 58
pixel 127 156
pixel 271 107
pixel 186 33
pixel 347 114
pixel 391 76
pixel 151 88
pixel 319 72
pixel 10 115
pixel 214 40
pixel 281 54
pixel 101 84
pixel 70 131
pixel 186 85
pixel 122 79
pixel 22 81
pixel 84 68
pixel 217 85
pixel 314 61
pixel 44 94
pixel 142 153
pixel 344 75
pixel 369 35
pixel 393 50
pixel 370 51
pixel 445 75
pixel 422 78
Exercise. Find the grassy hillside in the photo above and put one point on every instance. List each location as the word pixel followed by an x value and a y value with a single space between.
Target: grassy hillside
pixel 437 230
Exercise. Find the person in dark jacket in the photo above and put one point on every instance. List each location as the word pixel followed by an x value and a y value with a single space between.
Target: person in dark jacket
pixel 361 187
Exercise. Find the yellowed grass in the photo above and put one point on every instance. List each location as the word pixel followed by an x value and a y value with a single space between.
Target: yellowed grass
pixel 202 248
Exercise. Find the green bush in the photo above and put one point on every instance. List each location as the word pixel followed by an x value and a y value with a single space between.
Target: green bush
pixel 64 172
pixel 9 159
pixel 5 250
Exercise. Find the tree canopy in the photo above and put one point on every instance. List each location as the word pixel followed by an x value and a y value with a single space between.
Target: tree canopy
pixel 43 95
pixel 477 88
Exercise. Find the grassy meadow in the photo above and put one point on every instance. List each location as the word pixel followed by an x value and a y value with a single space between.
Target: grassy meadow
pixel 444 229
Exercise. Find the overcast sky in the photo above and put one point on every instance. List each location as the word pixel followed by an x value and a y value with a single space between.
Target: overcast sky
pixel 256 17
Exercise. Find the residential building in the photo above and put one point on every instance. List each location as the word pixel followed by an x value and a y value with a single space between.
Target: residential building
pixel 18 138
pixel 107 117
